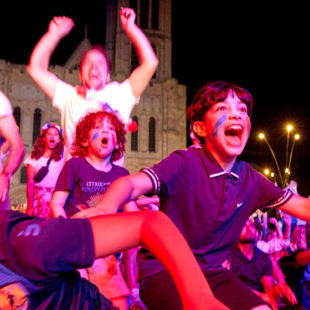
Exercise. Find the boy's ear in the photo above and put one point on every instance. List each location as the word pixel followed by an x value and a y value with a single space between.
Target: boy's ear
pixel 200 129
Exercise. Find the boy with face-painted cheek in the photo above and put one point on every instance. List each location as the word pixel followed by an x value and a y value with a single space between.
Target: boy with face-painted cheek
pixel 100 139
pixel 208 194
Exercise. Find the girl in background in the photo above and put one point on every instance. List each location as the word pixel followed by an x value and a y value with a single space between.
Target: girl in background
pixel 43 167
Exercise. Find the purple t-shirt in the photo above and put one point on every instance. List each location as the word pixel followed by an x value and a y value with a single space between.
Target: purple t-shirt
pixel 208 205
pixel 85 183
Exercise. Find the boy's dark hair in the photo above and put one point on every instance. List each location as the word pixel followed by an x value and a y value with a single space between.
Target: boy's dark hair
pixel 103 51
pixel 212 93
pixel 87 123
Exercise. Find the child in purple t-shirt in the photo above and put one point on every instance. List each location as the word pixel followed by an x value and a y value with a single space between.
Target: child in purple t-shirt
pixel 99 141
pixel 208 194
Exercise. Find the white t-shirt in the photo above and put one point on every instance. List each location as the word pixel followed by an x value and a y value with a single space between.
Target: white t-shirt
pixel 117 97
pixel 5 110
pixel 54 169
pixel 5 105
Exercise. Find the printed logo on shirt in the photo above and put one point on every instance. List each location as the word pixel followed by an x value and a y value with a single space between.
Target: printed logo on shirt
pixel 95 187
pixel 239 205
pixel 106 107
pixel 31 230
pixel 13 296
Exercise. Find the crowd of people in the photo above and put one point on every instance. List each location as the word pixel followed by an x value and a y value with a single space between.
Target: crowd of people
pixel 272 260
pixel 198 230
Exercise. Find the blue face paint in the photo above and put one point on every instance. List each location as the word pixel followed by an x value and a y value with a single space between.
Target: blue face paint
pixel 219 122
pixel 94 137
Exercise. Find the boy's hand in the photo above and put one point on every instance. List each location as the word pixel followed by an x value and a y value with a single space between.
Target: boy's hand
pixel 128 17
pixel 60 26
pixel 281 290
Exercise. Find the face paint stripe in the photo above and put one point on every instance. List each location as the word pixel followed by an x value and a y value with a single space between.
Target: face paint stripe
pixel 218 124
pixel 94 137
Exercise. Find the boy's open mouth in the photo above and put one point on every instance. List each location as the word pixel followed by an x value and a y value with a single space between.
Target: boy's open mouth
pixel 234 131
pixel 104 141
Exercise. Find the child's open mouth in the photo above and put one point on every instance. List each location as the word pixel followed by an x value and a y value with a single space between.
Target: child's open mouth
pixel 104 141
pixel 234 131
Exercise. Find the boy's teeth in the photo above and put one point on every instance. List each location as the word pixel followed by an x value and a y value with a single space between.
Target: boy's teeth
pixel 234 127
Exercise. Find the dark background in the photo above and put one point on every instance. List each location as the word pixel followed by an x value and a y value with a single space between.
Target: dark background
pixel 260 47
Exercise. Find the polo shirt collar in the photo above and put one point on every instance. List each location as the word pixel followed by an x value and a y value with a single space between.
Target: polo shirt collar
pixel 215 170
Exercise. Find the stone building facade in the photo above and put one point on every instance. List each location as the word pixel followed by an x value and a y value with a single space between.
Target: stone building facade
pixel 161 113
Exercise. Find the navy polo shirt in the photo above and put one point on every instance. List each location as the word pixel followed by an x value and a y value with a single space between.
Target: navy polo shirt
pixel 251 271
pixel 208 205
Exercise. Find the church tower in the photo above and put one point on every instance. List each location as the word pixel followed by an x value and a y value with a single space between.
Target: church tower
pixel 161 113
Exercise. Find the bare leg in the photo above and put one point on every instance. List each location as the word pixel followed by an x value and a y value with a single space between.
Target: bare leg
pixel 155 231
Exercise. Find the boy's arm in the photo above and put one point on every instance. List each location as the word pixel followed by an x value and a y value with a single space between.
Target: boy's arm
pixel 130 187
pixel 141 76
pixel 274 221
pixel 38 65
pixel 9 131
pixel 58 202
pixel 297 206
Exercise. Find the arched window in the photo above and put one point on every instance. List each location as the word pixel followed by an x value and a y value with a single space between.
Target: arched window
pixel 144 14
pixel 17 115
pixel 152 134
pixel 134 5
pixel 134 59
pixel 134 136
pixel 23 175
pixel 155 74
pixel 147 13
pixel 155 14
pixel 36 125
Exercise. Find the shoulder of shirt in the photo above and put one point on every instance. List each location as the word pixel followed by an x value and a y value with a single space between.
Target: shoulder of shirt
pixel 117 167
pixel 64 84
pixel 115 85
pixel 190 151
pixel 75 161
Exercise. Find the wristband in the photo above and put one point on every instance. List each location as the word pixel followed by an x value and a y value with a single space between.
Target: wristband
pixel 135 294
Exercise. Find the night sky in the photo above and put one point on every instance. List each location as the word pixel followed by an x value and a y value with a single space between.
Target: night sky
pixel 261 48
